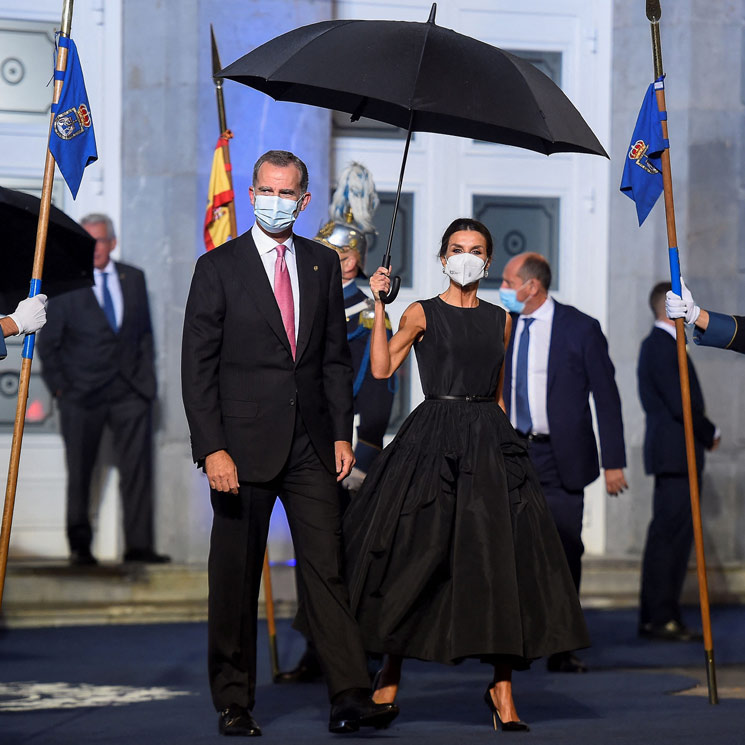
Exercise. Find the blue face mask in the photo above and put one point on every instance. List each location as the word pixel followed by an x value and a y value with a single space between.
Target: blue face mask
pixel 275 214
pixel 508 298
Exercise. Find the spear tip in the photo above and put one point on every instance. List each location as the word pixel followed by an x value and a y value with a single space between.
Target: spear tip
pixel 216 66
pixel 654 11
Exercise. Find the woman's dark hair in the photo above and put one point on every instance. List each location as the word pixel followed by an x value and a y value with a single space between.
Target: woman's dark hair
pixel 466 223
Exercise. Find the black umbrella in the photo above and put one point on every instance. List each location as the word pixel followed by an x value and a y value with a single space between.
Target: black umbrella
pixel 421 77
pixel 68 263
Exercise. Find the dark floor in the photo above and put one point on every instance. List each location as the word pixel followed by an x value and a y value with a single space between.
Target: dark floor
pixel 146 685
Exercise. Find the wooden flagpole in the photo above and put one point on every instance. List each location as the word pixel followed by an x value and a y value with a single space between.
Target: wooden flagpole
pixel 654 12
pixel 35 289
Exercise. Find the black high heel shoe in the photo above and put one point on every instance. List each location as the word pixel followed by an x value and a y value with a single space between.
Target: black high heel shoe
pixel 518 726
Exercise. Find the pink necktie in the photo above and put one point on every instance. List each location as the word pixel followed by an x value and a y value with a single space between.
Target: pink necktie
pixel 283 293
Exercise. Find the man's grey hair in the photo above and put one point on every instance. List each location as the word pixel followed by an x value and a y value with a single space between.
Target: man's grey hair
pixel 96 218
pixel 282 159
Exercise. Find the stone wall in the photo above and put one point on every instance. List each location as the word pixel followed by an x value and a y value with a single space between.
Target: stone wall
pixel 702 46
pixel 169 133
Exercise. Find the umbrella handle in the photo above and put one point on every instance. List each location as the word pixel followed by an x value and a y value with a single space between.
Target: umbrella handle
pixel 390 296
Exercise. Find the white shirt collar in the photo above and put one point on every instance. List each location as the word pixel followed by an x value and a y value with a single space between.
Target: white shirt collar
pixel 110 268
pixel 265 243
pixel 544 312
pixel 666 327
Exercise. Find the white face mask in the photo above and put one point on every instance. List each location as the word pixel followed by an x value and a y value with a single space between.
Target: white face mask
pixel 465 269
pixel 275 214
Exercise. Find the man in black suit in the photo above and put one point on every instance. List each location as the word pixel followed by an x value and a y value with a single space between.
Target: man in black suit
pixel 97 352
pixel 267 387
pixel 670 532
pixel 564 357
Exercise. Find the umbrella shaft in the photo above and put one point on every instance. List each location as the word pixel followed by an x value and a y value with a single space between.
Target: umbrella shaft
pixel 387 256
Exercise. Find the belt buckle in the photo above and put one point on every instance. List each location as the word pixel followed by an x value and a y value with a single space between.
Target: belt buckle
pixel 469 398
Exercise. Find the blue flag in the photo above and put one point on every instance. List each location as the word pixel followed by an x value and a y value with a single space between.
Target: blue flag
pixel 642 170
pixel 72 141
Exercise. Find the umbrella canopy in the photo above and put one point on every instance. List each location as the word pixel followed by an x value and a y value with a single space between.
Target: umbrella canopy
pixel 68 261
pixel 390 70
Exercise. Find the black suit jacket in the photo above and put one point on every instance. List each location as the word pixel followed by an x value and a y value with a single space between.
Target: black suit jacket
pixel 80 352
pixel 578 364
pixel 240 385
pixel 659 390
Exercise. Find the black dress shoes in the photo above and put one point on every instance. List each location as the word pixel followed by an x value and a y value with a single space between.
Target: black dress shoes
pixel 354 708
pixel 82 558
pixel 236 720
pixel 672 631
pixel 307 670
pixel 565 662
pixel 145 556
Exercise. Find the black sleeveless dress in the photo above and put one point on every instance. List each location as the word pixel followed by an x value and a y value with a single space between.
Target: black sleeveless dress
pixel 451 549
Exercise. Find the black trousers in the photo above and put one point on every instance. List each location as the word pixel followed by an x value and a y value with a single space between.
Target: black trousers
pixel 129 416
pixel 667 550
pixel 567 507
pixel 240 526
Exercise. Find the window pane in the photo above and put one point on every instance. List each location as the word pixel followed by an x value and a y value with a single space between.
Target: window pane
pixel 403 236
pixel 519 224
pixel 549 63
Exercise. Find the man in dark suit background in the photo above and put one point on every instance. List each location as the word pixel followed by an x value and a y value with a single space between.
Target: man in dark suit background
pixel 670 532
pixel 267 388
pixel 549 372
pixel 97 355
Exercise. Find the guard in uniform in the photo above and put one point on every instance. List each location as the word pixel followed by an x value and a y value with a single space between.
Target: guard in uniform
pixel 349 233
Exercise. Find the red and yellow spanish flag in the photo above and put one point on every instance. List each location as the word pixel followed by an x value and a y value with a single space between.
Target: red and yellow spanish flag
pixel 219 196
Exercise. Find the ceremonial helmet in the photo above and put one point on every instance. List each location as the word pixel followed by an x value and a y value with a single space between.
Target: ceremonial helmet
pixel 350 228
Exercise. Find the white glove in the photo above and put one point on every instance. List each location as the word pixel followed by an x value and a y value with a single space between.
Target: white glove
pixel 31 314
pixel 681 307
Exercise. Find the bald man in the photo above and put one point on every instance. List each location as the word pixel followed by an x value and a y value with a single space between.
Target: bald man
pixel 556 357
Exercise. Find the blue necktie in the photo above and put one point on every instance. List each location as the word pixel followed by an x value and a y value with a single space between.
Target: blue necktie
pixel 108 302
pixel 523 421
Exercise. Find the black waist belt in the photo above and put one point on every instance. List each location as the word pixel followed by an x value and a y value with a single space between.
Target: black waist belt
pixel 470 399
pixel 534 437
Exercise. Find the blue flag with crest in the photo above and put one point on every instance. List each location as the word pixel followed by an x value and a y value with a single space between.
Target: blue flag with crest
pixel 72 141
pixel 642 170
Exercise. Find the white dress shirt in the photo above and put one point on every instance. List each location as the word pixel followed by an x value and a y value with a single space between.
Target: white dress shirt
pixel 115 290
pixel 266 246
pixel 670 328
pixel 540 341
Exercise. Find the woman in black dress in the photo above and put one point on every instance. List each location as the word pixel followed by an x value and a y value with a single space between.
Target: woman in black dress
pixel 452 552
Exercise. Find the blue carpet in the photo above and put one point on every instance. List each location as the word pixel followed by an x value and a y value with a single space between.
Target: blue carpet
pixel 146 685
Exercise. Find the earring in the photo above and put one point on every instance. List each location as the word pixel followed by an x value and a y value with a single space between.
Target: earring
pixel 443 270
pixel 486 273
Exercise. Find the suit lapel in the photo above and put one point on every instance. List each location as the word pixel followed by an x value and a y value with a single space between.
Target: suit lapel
pixel 554 346
pixel 126 288
pixel 307 272
pixel 250 270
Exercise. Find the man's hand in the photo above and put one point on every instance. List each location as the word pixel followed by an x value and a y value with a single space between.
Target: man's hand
pixel 221 471
pixel 615 481
pixel 683 306
pixel 30 315
pixel 344 458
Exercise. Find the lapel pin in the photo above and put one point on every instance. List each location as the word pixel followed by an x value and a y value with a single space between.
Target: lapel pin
pixel 315 268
